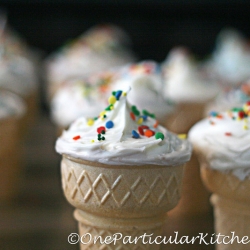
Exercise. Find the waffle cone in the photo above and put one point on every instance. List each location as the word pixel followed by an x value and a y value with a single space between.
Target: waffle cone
pixel 131 200
pixel 232 218
pixel 231 202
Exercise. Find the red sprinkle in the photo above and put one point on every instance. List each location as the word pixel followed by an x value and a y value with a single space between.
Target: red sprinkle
pixel 228 134
pixel 149 133
pixel 241 114
pixel 140 129
pixel 144 127
pixel 132 116
pixel 77 137
pixel 100 129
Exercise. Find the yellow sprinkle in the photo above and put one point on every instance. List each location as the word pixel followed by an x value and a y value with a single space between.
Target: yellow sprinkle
pixel 92 141
pixel 90 122
pixel 245 127
pixel 111 107
pixel 112 99
pixel 182 136
pixel 124 93
pixel 140 121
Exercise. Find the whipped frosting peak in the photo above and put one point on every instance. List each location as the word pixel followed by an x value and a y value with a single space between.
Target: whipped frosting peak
pixel 123 135
pixel 183 80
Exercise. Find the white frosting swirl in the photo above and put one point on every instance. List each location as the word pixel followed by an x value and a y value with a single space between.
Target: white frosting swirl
pixel 119 147
pixel 224 139
pixel 11 105
pixel 183 81
pixel 146 82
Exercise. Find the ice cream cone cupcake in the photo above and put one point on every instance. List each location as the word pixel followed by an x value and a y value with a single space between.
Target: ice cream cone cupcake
pixel 122 173
pixel 190 92
pixel 222 145
pixel 18 70
pixel 12 110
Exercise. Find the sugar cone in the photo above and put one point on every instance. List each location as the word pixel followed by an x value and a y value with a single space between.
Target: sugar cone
pixel 231 202
pixel 195 197
pixel 130 200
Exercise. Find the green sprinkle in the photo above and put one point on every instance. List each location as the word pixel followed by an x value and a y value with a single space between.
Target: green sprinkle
pixel 237 109
pixel 135 110
pixel 145 112
pixel 159 135
pixel 109 107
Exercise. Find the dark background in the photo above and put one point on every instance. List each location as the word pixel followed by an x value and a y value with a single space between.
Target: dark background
pixel 155 26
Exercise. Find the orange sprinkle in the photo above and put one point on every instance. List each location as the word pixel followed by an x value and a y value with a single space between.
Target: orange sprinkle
pixel 228 134
pixel 132 115
pixel 219 116
pixel 149 133
pixel 156 124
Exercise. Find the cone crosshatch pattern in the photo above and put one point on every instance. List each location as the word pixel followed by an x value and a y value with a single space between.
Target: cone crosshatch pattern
pixel 100 187
pixel 95 231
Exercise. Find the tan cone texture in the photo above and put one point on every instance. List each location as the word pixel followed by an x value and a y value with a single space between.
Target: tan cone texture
pixel 125 199
pixel 231 201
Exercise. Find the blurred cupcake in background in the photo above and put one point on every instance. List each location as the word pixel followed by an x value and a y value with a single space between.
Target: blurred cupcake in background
pixel 146 82
pixel 230 60
pixel 187 87
pixel 80 97
pixel 221 142
pixel 98 49
pixel 12 112
pixel 17 70
pixel 191 92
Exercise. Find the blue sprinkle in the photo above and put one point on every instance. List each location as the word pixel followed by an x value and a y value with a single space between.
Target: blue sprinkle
pixel 135 134
pixel 144 117
pixel 109 124
pixel 213 113
pixel 118 94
